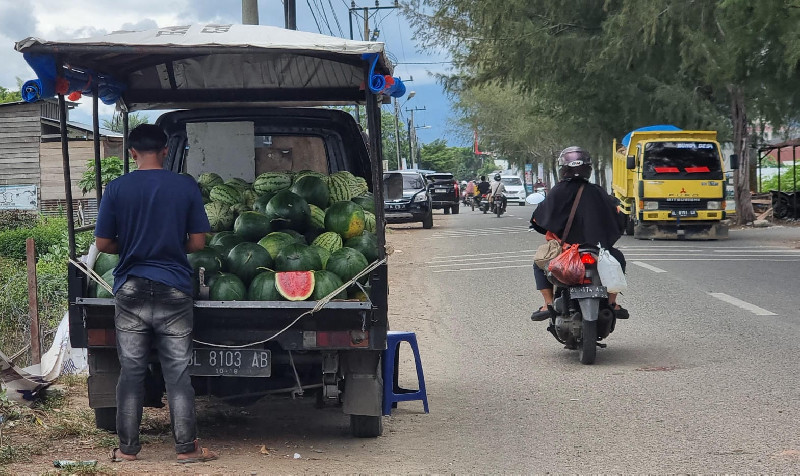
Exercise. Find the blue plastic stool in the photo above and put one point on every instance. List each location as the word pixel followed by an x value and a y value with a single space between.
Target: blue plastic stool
pixel 392 392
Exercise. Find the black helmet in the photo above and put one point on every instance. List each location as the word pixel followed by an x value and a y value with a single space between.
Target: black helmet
pixel 574 162
pixel 496 177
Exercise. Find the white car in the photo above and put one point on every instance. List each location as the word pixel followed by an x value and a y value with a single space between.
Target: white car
pixel 515 189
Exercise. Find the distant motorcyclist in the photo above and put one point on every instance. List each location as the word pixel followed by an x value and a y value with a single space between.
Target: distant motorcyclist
pixel 597 219
pixel 496 188
pixel 483 186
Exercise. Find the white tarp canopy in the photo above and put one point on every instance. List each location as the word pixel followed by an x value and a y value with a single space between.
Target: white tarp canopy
pixel 181 66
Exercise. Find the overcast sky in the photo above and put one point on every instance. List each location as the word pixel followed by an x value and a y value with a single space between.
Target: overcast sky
pixel 54 20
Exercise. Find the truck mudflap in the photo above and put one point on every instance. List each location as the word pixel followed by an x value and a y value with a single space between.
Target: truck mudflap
pixel 363 391
pixel 683 230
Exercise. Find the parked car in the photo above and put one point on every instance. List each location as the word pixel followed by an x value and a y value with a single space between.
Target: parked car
pixel 444 191
pixel 515 189
pixel 406 198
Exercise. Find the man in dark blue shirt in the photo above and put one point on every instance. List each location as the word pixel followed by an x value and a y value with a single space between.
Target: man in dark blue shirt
pixel 152 217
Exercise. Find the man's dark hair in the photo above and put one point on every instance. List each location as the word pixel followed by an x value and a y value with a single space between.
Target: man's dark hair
pixel 483 177
pixel 147 138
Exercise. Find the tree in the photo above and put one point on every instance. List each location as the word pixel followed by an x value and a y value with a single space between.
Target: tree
pixel 437 155
pixel 9 95
pixel 619 64
pixel 115 124
pixel 110 168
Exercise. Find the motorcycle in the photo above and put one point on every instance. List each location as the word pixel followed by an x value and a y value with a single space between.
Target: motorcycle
pixel 470 201
pixel 580 315
pixel 497 204
pixel 483 202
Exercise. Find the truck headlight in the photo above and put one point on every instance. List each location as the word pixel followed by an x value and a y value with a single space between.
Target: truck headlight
pixel 650 205
pixel 714 205
pixel 420 197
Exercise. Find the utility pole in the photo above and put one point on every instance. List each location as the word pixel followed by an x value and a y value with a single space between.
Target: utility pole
pixel 290 13
pixel 397 132
pixel 411 130
pixel 249 12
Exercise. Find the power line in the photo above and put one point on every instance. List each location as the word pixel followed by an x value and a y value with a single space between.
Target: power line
pixel 336 18
pixel 314 16
pixel 324 15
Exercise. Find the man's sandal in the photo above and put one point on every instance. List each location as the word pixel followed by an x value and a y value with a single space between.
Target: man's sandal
pixel 118 456
pixel 205 455
pixel 541 315
pixel 619 311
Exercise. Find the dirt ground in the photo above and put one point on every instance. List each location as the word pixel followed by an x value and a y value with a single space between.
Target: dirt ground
pixel 277 435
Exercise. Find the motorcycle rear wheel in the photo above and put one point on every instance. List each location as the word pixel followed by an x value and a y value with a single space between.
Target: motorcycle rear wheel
pixel 588 348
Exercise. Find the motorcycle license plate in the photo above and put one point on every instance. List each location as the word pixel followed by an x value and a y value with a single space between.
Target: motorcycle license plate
pixel 231 362
pixel 684 213
pixel 580 292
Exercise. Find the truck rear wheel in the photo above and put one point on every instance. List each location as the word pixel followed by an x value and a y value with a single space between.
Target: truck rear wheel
pixel 106 418
pixel 366 426
pixel 629 225
pixel 455 209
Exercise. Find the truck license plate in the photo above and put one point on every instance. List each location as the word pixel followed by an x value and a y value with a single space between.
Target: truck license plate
pixel 581 292
pixel 231 362
pixel 684 213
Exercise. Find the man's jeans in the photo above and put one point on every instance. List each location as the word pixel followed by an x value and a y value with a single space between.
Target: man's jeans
pixel 149 315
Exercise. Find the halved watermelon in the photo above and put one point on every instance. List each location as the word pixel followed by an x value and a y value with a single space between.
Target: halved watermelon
pixel 295 285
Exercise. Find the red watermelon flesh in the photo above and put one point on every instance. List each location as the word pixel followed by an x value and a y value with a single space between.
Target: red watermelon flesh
pixel 295 285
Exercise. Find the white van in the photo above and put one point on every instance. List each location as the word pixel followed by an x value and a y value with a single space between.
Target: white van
pixel 515 189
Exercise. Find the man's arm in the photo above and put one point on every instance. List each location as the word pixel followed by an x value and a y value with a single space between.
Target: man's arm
pixel 107 245
pixel 196 242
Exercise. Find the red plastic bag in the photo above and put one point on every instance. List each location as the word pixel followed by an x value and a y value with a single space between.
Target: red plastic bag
pixel 568 267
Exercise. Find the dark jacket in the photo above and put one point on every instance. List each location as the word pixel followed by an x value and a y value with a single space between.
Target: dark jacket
pixel 596 219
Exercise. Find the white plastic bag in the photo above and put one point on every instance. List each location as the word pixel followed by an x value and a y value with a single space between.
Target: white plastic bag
pixel 610 272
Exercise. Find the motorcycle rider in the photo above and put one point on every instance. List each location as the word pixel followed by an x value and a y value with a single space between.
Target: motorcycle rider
pixel 483 188
pixel 597 220
pixel 497 188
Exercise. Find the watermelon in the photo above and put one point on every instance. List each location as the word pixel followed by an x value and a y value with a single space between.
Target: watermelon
pixel 345 218
pixel 347 263
pixel 249 198
pixel 227 287
pixel 271 182
pixel 370 223
pixel 339 187
pixel 208 258
pixel 298 257
pixel 366 243
pixel 224 238
pixel 358 186
pixel 247 259
pixel 252 226
pixel 276 241
pixel 329 240
pixel 313 189
pixel 323 254
pixel 288 210
pixel 366 201
pixel 312 234
pixel 219 215
pixel 239 208
pixel 260 203
pixel 355 292
pixel 225 194
pixel 325 283
pixel 209 180
pixel 105 262
pixel 262 288
pixel 239 184
pixel 317 217
pixel 95 290
pixel 295 285
pixel 297 235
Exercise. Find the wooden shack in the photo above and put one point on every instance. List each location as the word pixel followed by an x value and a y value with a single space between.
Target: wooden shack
pixel 30 156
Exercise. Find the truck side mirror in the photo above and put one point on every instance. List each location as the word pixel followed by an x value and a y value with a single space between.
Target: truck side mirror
pixel 631 163
pixel 734 161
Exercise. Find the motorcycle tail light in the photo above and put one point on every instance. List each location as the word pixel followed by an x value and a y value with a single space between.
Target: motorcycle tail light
pixel 587 258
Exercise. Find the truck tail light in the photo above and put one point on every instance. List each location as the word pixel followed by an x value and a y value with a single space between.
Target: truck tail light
pixel 338 339
pixel 587 258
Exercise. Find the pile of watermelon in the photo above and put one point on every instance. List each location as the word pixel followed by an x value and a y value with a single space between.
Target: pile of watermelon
pixel 286 236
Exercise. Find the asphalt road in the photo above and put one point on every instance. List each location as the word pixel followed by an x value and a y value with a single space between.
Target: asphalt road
pixel 702 378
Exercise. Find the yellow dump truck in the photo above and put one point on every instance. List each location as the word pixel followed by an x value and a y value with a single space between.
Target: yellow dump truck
pixel 671 184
